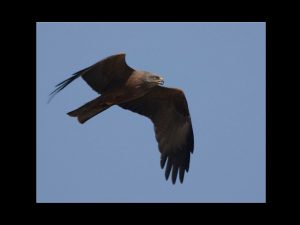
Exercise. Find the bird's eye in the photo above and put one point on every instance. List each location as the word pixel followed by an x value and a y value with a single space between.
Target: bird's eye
pixel 156 78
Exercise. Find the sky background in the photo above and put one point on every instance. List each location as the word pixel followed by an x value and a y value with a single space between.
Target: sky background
pixel 114 156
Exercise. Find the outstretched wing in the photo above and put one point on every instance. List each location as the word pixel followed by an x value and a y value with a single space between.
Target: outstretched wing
pixel 168 110
pixel 109 73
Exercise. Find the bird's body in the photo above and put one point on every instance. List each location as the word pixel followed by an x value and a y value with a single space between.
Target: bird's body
pixel 139 91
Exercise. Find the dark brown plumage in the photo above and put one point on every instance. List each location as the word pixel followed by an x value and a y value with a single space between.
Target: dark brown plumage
pixel 139 92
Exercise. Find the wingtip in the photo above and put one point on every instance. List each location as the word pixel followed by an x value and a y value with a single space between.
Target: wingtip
pixel 167 175
pixel 50 98
pixel 181 174
pixel 163 160
pixel 174 174
pixel 168 169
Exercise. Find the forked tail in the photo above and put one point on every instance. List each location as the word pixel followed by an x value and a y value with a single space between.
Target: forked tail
pixel 89 110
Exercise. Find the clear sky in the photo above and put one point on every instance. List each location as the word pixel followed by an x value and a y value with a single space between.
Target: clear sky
pixel 114 156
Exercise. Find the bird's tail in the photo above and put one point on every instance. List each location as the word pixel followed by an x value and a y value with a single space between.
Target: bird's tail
pixel 89 109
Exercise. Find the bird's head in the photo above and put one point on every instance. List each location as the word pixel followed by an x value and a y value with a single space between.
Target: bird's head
pixel 154 79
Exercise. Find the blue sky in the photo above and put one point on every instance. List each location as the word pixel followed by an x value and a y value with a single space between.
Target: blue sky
pixel 114 156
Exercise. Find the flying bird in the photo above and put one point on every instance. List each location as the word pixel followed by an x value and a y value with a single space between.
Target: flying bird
pixel 141 92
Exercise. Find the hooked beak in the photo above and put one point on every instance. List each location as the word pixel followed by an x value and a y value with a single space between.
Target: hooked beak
pixel 160 81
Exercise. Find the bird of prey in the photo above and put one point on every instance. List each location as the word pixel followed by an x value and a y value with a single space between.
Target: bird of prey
pixel 141 92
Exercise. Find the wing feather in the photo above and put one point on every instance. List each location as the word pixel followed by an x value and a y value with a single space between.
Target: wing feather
pixel 168 110
pixel 109 73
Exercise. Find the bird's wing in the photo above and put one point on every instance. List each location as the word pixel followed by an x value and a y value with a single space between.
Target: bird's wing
pixel 168 110
pixel 109 73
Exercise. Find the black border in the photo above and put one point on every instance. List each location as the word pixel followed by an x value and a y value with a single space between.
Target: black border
pixel 270 198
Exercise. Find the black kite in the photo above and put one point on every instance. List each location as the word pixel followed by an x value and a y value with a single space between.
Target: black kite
pixel 139 91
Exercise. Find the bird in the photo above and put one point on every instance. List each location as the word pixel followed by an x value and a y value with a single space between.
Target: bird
pixel 141 92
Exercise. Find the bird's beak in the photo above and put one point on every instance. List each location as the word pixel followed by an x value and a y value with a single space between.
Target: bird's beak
pixel 161 81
